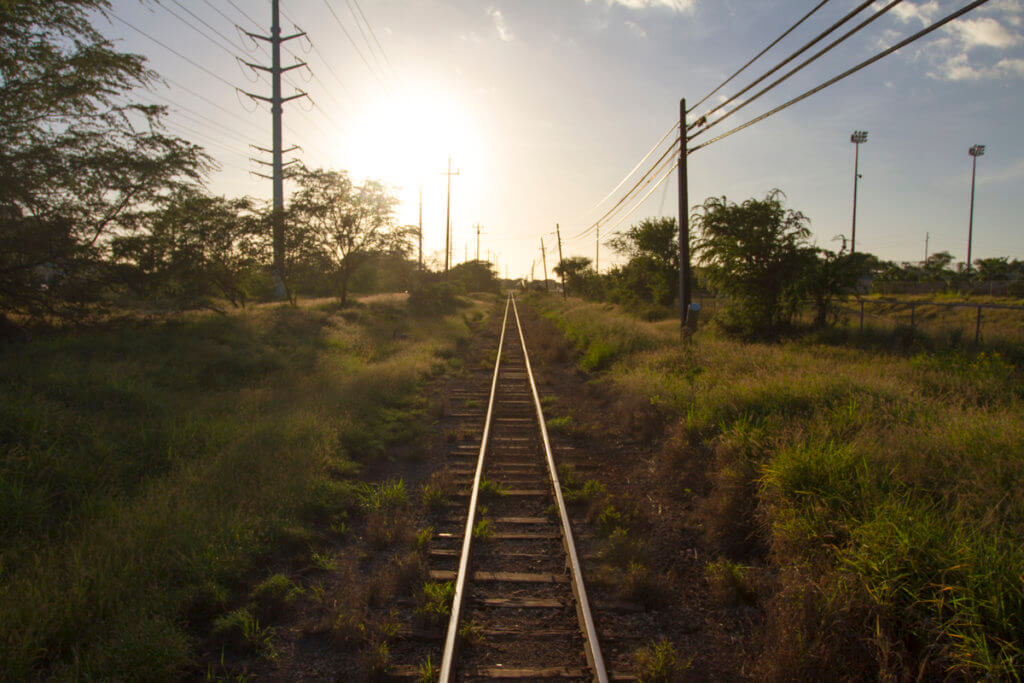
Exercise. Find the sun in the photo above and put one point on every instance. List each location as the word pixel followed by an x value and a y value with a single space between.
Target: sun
pixel 405 139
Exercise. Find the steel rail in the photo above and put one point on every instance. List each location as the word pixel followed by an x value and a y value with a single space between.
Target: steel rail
pixel 593 647
pixel 448 657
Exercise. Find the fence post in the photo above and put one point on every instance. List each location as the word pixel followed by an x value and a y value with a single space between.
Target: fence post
pixel 862 316
pixel 977 327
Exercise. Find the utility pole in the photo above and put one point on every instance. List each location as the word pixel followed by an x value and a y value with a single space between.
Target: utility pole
pixel 421 227
pixel 858 137
pixel 276 108
pixel 544 256
pixel 975 152
pixel 926 247
pixel 533 264
pixel 477 241
pixel 685 294
pixel 448 216
pixel 597 251
pixel 558 232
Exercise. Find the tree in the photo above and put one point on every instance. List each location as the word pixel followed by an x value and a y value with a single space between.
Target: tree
pixel 652 273
pixel 194 245
pixel 831 274
pixel 75 156
pixel 573 269
pixel 344 225
pixel 756 253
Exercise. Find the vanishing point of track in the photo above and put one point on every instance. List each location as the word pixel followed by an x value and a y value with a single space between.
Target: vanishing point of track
pixel 522 577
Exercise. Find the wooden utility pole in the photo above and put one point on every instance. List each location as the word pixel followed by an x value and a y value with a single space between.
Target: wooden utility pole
pixel 477 241
pixel 544 256
pixel 684 222
pixel 597 251
pixel 277 153
pixel 558 232
pixel 448 216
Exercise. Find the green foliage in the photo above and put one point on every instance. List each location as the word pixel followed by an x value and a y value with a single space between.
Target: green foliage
pixel 831 275
pixel 434 603
pixel 652 272
pixel 387 496
pixel 337 227
pixel 241 631
pixel 562 425
pixel 658 663
pixel 273 594
pixel 428 672
pixel 78 155
pixel 755 253
pixel 483 530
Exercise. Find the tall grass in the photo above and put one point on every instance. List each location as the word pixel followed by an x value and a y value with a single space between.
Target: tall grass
pixel 890 489
pixel 144 470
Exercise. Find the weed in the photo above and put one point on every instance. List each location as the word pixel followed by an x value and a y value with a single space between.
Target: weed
pixel 638 583
pixel 423 539
pixel 730 582
pixel 562 425
pixel 377 660
pixel 621 550
pixel 348 627
pixel 388 496
pixel 658 663
pixel 428 672
pixel 490 489
pixel 241 631
pixel 483 529
pixel 470 633
pixel 435 496
pixel 409 572
pixel 434 602
pixel 472 404
pixel 323 561
pixel 273 594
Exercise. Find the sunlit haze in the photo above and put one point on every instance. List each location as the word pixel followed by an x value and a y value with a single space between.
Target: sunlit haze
pixel 544 106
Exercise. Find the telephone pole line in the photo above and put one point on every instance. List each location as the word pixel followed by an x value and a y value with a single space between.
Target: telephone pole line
pixel 558 232
pixel 544 256
pixel 276 108
pixel 448 216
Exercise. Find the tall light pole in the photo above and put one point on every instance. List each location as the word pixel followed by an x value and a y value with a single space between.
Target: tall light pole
pixel 975 152
pixel 858 137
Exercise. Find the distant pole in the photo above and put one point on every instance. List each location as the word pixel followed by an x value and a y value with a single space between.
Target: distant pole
pixel 421 227
pixel 975 152
pixel 926 236
pixel 597 251
pixel 477 241
pixel 533 264
pixel 544 257
pixel 448 217
pixel 685 294
pixel 558 231
pixel 857 138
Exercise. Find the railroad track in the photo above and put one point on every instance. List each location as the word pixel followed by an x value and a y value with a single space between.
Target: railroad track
pixel 520 600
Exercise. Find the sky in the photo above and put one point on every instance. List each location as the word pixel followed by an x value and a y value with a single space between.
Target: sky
pixel 544 106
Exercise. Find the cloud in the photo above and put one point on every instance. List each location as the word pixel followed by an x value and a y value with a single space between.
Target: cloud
pixel 635 29
pixel 499 24
pixel 923 12
pixel 984 32
pixel 959 68
pixel 674 5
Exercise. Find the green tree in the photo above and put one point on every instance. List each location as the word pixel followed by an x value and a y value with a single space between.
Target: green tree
pixel 194 245
pixel 574 269
pixel 829 276
pixel 755 253
pixel 997 268
pixel 344 225
pixel 652 273
pixel 75 157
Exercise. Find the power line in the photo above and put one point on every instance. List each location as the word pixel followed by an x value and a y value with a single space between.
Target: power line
pixel 353 43
pixel 906 41
pixel 211 102
pixel 643 199
pixel 633 189
pixel 372 33
pixel 760 54
pixel 811 43
pixel 639 163
pixel 243 13
pixel 366 40
pixel 205 23
pixel 171 49
pixel 797 68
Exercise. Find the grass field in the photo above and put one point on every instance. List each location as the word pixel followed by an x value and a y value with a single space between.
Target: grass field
pixel 876 498
pixel 147 468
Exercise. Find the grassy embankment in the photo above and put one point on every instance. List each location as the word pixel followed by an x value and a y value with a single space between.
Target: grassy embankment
pixel 145 471
pixel 879 497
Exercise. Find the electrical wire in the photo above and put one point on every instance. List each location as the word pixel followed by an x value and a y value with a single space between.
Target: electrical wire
pixel 759 54
pixel 171 49
pixel 628 194
pixel 374 34
pixel 366 40
pixel 353 43
pixel 623 217
pixel 808 45
pixel 212 103
pixel 797 68
pixel 242 12
pixel 906 41
pixel 205 23
pixel 639 163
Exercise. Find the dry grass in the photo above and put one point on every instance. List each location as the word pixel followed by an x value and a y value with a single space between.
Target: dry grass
pixel 887 489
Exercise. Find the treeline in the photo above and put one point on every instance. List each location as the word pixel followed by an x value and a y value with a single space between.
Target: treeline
pixel 758 256
pixel 101 208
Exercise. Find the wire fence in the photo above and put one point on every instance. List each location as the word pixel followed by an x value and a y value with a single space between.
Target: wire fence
pixel 952 323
